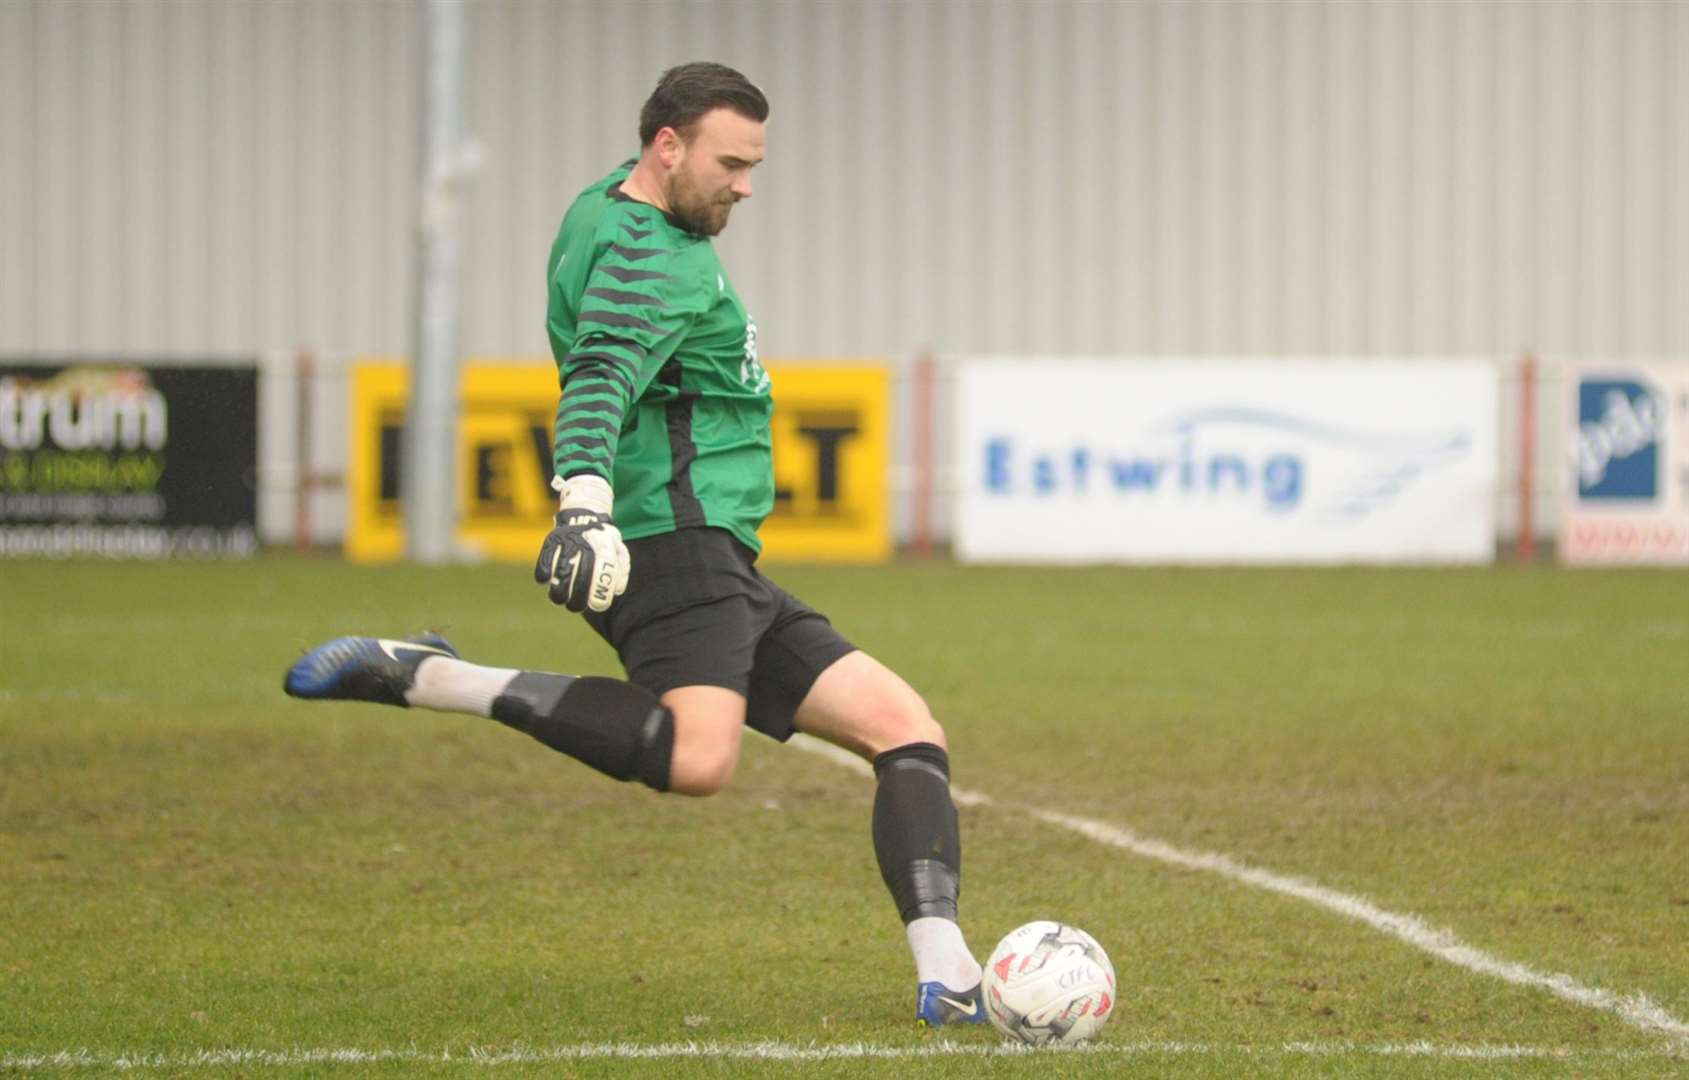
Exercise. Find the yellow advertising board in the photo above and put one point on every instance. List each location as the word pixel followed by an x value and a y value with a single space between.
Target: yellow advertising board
pixel 831 448
pixel 503 459
pixel 832 442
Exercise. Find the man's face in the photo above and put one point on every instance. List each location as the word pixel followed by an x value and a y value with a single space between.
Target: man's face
pixel 714 171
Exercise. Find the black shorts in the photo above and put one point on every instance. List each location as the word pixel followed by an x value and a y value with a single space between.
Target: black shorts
pixel 698 613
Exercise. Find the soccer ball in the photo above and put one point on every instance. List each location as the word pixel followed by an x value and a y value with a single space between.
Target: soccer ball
pixel 1048 983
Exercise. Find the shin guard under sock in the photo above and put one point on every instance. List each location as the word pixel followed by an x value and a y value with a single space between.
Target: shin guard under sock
pixel 916 837
pixel 620 729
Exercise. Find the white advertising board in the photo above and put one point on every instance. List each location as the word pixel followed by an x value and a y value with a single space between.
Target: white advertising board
pixel 1627 492
pixel 1226 462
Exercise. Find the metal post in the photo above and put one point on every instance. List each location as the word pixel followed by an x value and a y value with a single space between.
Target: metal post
pixel 429 475
pixel 1527 544
pixel 925 461
pixel 305 476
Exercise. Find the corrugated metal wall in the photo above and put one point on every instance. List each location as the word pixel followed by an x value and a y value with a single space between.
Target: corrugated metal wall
pixel 990 175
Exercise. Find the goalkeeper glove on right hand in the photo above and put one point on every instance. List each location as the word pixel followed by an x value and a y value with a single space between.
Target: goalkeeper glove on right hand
pixel 583 559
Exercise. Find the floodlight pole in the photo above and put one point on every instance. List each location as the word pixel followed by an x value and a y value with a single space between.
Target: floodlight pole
pixel 428 472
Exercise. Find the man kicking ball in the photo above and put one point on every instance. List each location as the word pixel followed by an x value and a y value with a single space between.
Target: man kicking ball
pixel 664 465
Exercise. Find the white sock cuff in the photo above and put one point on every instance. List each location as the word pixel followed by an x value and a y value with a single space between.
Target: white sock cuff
pixel 450 685
pixel 941 954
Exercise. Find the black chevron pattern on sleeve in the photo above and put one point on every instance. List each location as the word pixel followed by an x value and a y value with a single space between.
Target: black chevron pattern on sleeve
pixel 624 331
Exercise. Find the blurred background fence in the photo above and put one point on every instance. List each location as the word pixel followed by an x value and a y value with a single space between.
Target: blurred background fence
pixel 1389 180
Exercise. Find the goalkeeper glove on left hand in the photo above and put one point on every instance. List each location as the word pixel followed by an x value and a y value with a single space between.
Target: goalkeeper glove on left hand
pixel 583 559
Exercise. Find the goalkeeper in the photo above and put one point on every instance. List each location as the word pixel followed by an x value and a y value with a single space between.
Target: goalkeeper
pixel 664 469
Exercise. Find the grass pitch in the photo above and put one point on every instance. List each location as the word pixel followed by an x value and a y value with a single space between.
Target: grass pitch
pixel 201 876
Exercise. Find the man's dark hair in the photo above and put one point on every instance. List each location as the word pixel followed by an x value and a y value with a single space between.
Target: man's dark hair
pixel 685 93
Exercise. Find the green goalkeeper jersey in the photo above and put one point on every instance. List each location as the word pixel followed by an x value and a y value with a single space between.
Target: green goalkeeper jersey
pixel 663 394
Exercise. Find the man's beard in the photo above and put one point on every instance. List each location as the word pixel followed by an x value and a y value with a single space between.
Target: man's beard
pixel 693 210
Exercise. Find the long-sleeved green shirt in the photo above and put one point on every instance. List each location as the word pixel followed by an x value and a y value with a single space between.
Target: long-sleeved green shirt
pixel 662 391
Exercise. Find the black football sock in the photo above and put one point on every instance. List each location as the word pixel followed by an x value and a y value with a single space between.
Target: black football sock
pixel 918 842
pixel 620 729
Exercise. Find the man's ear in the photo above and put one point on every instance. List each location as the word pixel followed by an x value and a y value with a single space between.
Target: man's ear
pixel 671 148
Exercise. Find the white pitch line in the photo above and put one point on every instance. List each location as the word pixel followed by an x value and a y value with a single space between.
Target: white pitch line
pixel 786 1052
pixel 1638 1009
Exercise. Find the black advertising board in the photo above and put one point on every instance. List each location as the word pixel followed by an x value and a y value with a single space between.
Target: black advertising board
pixel 128 460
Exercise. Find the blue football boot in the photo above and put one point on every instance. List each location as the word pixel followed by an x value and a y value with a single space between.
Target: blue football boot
pixel 363 668
pixel 937 1005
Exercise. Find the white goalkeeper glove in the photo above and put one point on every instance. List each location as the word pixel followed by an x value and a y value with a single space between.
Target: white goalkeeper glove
pixel 583 559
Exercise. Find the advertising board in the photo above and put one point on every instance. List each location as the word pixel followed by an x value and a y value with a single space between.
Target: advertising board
pixel 831 445
pixel 1226 461
pixel 1627 485
pixel 127 459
